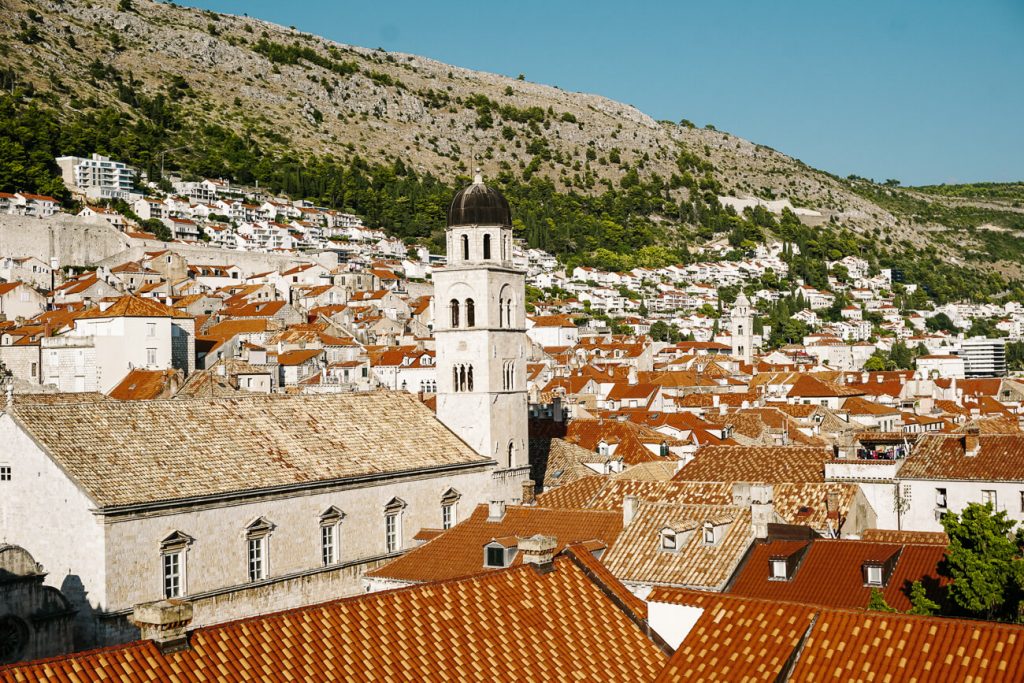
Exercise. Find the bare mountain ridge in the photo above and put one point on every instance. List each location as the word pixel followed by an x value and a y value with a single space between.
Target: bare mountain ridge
pixel 293 90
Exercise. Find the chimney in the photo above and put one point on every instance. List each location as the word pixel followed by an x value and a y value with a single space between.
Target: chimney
pixel 631 375
pixel 165 623
pixel 496 511
pixel 539 550
pixel 529 492
pixel 972 441
pixel 629 504
pixel 762 509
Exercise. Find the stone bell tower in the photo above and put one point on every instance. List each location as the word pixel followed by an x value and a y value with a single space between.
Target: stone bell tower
pixel 741 329
pixel 480 333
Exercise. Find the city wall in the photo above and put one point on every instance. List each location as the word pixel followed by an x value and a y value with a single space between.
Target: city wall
pixel 91 241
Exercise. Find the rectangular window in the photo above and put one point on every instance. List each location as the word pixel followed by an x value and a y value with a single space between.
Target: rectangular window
pixel 150 329
pixel 1022 501
pixel 989 497
pixel 328 538
pixel 172 575
pixel 778 569
pixel 257 559
pixel 391 533
pixel 940 498
pixel 874 576
pixel 495 557
pixel 150 356
pixel 447 516
pixel 5 472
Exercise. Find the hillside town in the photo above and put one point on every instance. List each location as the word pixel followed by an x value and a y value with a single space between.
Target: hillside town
pixel 279 442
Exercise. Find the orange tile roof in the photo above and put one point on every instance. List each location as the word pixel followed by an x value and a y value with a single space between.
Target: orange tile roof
pixel 298 357
pixel 941 456
pixel 142 385
pixel 766 464
pixel 735 640
pixel 459 551
pixel 637 556
pixel 136 307
pixel 515 624
pixel 256 309
pixel 795 503
pixel 829 573
pixel 747 639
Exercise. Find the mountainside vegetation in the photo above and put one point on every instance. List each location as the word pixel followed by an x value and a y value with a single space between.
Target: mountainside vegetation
pixel 391 136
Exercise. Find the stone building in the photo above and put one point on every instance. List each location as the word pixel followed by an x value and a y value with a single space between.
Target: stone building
pixel 35 620
pixel 480 331
pixel 241 506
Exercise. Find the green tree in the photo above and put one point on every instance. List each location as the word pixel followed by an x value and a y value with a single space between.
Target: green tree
pixel 921 603
pixel 984 562
pixel 155 226
pixel 941 321
pixel 877 602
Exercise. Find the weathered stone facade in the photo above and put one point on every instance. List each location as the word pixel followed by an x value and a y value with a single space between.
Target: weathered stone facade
pixel 35 620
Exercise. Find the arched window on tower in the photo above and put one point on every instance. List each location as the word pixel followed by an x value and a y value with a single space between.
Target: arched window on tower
pixel 508 312
pixel 462 377
pixel 470 313
pixel 465 247
pixel 454 306
pixel 487 247
pixel 469 383
pixel 455 378
pixel 511 454
pixel 501 313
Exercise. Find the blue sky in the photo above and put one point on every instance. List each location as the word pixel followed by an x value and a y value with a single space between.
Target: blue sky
pixel 922 91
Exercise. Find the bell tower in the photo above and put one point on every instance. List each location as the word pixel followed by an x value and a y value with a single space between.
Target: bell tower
pixel 480 334
pixel 741 324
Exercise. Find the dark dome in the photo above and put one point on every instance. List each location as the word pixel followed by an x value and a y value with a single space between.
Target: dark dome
pixel 478 204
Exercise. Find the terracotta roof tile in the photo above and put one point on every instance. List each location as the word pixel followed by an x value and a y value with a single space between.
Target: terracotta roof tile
pixel 143 451
pixel 459 551
pixel 515 624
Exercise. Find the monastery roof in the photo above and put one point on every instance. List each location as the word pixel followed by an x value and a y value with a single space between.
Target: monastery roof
pixel 121 453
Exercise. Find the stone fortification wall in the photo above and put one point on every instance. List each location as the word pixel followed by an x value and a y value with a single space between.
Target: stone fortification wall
pixel 85 241
pixel 73 240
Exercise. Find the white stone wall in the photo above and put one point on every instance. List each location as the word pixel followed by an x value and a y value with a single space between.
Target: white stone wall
pixel 122 344
pixel 921 511
pixel 69 363
pixel 217 558
pixel 490 417
pixel 23 362
pixel 44 512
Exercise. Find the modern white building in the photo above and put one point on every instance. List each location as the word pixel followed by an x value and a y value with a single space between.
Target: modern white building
pixel 983 357
pixel 99 177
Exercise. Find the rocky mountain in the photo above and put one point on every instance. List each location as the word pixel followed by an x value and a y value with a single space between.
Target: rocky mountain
pixel 296 94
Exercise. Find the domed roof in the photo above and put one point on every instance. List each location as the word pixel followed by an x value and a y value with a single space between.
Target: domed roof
pixel 478 204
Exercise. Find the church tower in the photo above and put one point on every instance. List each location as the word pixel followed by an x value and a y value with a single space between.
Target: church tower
pixel 480 333
pixel 741 329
